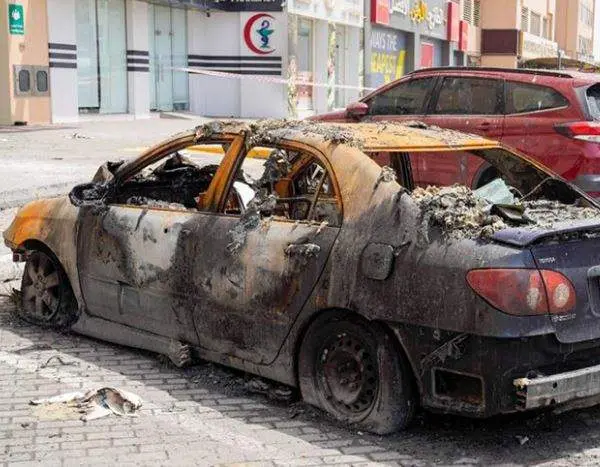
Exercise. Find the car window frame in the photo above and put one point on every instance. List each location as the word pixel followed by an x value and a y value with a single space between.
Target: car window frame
pixel 162 151
pixel 436 94
pixel 426 104
pixel 309 154
pixel 507 82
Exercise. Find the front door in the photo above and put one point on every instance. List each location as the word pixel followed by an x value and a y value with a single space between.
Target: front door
pixel 132 262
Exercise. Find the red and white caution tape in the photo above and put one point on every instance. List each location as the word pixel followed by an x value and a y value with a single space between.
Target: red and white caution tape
pixel 268 79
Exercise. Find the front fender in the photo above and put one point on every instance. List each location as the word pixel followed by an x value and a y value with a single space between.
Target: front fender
pixel 53 223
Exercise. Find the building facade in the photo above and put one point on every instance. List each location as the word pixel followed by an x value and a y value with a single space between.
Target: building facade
pixel 404 35
pixel 575 28
pixel 514 31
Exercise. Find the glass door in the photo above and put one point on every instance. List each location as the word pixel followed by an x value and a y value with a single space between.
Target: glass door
pixel 87 55
pixel 163 75
pixel 112 50
pixel 168 50
pixel 101 60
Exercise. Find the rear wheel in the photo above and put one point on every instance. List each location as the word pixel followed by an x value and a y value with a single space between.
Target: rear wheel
pixel 47 297
pixel 354 371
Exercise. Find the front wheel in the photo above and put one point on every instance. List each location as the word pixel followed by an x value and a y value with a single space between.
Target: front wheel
pixel 355 371
pixel 46 294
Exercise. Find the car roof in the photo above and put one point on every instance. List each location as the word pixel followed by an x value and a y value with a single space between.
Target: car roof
pixel 570 74
pixel 404 136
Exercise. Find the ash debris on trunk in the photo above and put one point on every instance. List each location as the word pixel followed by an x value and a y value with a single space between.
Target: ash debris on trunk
pixel 547 214
pixel 457 211
pixel 460 213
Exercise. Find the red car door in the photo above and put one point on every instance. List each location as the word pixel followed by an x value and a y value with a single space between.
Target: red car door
pixel 532 111
pixel 471 104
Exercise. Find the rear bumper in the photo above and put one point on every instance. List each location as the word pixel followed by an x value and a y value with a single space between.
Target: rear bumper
pixel 560 388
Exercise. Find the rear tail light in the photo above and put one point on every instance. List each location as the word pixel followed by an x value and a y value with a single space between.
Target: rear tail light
pixel 524 292
pixel 584 131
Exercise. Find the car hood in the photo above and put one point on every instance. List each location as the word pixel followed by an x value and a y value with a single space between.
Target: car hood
pixel 525 236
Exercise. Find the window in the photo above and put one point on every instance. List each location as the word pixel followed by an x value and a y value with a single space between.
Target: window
pixel 545 28
pixel 522 98
pixel 24 80
pixel 535 24
pixel 476 12
pixel 468 11
pixel 41 81
pixel 407 98
pixel 593 98
pixel 525 19
pixel 550 31
pixel 177 182
pixel 286 184
pixel 474 96
pixel 586 15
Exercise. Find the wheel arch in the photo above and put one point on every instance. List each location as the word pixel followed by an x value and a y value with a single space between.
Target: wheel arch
pixel 327 312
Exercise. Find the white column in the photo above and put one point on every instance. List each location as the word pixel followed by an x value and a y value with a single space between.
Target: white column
pixel 138 92
pixel 352 63
pixel 320 57
pixel 62 46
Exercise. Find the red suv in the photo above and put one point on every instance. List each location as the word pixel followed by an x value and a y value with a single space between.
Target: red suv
pixel 552 116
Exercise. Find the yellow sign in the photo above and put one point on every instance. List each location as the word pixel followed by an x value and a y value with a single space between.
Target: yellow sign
pixel 419 13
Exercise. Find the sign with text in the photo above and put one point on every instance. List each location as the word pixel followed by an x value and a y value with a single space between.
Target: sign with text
pixel 388 54
pixel 16 20
pixel 426 17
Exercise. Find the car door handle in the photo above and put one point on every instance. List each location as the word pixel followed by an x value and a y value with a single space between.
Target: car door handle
pixel 484 126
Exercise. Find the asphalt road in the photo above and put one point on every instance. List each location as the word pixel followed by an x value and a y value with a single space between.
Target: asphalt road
pixel 206 414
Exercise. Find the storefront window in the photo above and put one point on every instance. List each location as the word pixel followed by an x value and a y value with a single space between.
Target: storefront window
pixel 301 34
pixel 101 62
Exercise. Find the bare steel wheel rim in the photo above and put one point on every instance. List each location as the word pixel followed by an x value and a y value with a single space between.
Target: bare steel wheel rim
pixel 40 289
pixel 347 374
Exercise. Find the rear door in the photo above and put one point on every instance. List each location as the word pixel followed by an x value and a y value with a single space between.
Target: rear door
pixel 471 104
pixel 532 110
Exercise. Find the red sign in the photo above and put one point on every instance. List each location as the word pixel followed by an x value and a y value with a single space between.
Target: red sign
pixel 380 12
pixel 463 37
pixel 426 55
pixel 453 19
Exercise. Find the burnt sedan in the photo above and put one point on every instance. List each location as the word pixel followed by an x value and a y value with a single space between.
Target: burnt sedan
pixel 323 256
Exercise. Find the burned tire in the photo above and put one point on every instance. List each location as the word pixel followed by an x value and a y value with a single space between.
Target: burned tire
pixel 46 295
pixel 356 371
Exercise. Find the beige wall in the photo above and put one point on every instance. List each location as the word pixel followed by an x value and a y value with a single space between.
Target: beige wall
pixel 502 61
pixel 569 27
pixel 500 14
pixel 28 49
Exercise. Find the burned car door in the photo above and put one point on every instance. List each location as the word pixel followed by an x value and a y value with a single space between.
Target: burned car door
pixel 135 253
pixel 260 258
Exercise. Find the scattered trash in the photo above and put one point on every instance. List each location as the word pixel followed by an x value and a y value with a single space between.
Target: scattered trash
pixel 78 136
pixel 93 404
pixel 59 359
pixel 522 439
pixel 25 424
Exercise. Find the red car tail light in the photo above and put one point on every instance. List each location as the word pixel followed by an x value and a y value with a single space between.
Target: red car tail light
pixel 523 292
pixel 584 131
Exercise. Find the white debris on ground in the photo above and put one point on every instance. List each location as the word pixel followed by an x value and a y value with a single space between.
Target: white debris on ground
pixel 460 213
pixel 90 405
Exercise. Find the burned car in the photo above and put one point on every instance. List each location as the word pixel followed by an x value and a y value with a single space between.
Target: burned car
pixel 320 256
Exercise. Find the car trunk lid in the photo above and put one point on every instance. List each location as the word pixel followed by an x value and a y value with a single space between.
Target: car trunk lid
pixel 572 249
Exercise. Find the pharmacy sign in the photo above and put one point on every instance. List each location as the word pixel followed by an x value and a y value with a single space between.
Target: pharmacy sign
pixel 16 22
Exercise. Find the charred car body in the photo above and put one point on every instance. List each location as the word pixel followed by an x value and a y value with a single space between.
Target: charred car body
pixel 324 267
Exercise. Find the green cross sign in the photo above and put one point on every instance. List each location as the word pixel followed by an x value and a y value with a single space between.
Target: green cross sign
pixel 16 20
